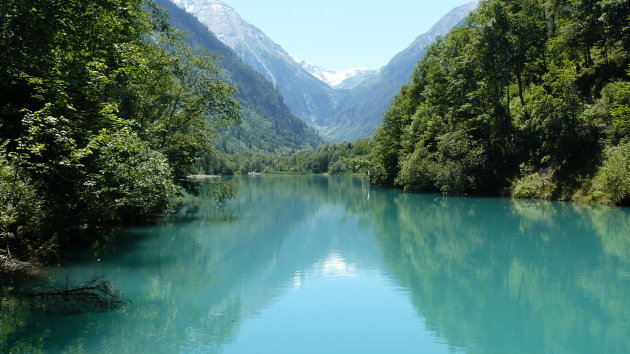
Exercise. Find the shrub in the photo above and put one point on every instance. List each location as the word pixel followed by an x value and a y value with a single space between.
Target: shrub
pixel 611 184
pixel 338 167
pixel 417 172
pixel 533 186
pixel 128 178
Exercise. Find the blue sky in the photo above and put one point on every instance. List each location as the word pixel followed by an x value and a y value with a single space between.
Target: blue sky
pixel 343 34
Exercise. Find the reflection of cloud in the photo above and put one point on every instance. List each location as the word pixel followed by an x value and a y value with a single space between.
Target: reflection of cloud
pixel 297 280
pixel 333 266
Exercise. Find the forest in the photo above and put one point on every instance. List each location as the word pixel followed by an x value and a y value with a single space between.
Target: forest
pixel 529 98
pixel 340 158
pixel 104 111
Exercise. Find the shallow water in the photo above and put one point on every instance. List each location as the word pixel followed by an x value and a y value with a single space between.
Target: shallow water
pixel 332 265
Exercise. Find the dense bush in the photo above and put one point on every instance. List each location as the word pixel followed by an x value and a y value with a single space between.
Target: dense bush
pixel 533 186
pixel 126 178
pixel 612 181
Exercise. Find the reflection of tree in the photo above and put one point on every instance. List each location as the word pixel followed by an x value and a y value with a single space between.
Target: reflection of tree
pixel 197 275
pixel 488 275
pixel 613 227
pixel 495 277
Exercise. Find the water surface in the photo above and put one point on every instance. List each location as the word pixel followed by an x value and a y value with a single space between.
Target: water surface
pixel 332 265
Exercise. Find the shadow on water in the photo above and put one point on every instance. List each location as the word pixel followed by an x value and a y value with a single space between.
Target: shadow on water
pixel 485 275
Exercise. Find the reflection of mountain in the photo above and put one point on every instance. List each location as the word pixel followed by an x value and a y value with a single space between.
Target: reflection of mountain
pixel 194 273
pixel 498 278
pixel 484 275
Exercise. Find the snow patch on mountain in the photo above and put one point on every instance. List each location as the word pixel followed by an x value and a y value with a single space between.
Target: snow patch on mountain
pixel 341 79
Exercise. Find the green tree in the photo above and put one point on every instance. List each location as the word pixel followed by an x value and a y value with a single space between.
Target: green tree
pixel 528 92
pixel 104 111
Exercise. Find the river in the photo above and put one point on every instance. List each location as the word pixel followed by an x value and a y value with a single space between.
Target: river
pixel 334 265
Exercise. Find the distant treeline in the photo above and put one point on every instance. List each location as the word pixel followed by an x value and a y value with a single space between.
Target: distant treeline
pixel 103 113
pixel 529 98
pixel 333 158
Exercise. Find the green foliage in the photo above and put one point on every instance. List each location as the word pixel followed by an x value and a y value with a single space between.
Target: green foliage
pixel 22 218
pixel 611 184
pixel 617 97
pixel 418 171
pixel 533 186
pixel 523 82
pixel 123 177
pixel 333 158
pixel 105 112
pixel 219 191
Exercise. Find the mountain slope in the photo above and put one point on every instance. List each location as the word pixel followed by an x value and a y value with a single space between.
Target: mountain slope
pixel 359 113
pixel 306 96
pixel 267 123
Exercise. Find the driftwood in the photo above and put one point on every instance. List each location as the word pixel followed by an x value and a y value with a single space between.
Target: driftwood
pixel 95 295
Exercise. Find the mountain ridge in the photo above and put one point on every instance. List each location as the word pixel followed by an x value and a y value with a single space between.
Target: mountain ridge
pixel 339 80
pixel 308 97
pixel 360 112
pixel 267 123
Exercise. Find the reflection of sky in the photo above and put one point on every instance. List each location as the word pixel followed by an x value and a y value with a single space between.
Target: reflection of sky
pixel 327 291
pixel 334 266
pixel 338 297
pixel 360 314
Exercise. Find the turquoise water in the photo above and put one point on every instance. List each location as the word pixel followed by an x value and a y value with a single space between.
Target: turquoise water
pixel 332 265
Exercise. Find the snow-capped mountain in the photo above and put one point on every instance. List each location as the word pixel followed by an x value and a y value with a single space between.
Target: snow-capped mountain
pixel 346 79
pixel 308 97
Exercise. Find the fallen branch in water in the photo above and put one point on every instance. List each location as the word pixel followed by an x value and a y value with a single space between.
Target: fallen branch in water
pixel 95 295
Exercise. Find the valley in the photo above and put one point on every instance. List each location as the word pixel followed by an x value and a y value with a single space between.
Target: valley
pixel 343 106
pixel 172 180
